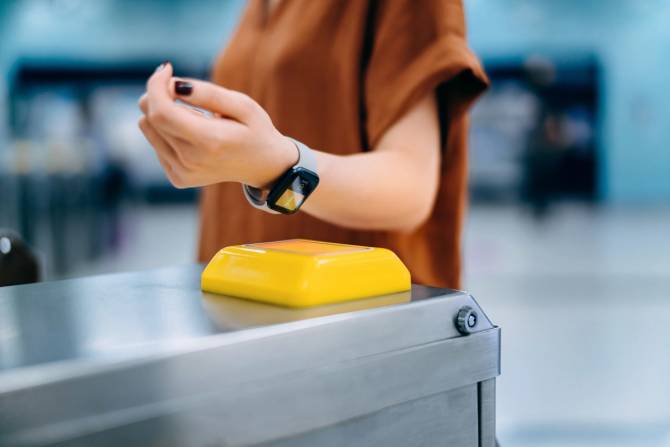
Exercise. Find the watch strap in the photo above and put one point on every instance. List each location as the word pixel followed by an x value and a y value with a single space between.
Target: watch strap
pixel 306 156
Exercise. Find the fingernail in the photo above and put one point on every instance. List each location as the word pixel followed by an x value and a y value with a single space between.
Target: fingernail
pixel 161 66
pixel 183 88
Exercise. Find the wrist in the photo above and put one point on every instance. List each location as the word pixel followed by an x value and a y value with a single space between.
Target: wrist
pixel 283 155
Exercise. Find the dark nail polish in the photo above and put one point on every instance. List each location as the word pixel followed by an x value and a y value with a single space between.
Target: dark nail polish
pixel 183 88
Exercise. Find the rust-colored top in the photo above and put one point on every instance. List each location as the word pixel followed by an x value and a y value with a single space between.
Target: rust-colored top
pixel 335 75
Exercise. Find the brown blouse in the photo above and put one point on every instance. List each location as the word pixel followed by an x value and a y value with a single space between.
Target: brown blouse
pixel 335 75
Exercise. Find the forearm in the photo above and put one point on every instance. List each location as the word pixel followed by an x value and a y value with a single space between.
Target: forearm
pixel 378 190
pixel 391 187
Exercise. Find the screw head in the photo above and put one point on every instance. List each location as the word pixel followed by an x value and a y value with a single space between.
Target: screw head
pixel 466 320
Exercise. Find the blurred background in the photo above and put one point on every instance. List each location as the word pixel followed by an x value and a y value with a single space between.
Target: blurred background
pixel 568 237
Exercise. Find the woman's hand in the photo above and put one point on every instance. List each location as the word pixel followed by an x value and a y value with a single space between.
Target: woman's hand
pixel 237 143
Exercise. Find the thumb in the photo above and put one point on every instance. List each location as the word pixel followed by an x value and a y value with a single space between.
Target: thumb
pixel 227 103
pixel 159 80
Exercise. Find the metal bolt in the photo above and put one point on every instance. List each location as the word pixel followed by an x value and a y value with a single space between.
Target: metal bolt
pixel 466 320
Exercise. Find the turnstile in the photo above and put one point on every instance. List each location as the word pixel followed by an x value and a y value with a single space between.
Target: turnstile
pixel 147 359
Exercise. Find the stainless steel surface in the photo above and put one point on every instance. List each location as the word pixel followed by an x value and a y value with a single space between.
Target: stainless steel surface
pixel 93 361
pixel 487 412
pixel 443 419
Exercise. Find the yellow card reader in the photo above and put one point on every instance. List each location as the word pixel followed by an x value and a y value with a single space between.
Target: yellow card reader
pixel 304 273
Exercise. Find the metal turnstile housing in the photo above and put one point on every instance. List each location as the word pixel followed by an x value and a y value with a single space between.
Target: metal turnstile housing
pixel 148 359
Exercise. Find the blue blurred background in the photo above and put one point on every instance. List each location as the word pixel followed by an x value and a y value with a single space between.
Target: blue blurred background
pixel 567 241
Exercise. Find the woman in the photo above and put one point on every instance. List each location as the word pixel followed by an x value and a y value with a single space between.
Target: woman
pixel 374 92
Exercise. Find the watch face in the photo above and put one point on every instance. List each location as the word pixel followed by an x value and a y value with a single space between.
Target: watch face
pixel 291 190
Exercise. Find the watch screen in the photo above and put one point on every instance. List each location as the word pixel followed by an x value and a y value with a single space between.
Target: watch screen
pixel 292 190
pixel 293 197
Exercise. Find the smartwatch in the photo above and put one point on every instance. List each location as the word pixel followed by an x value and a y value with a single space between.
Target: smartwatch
pixel 291 189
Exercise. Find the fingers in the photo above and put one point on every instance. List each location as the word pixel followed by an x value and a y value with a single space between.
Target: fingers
pixel 164 114
pixel 143 104
pixel 164 152
pixel 192 148
pixel 227 103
